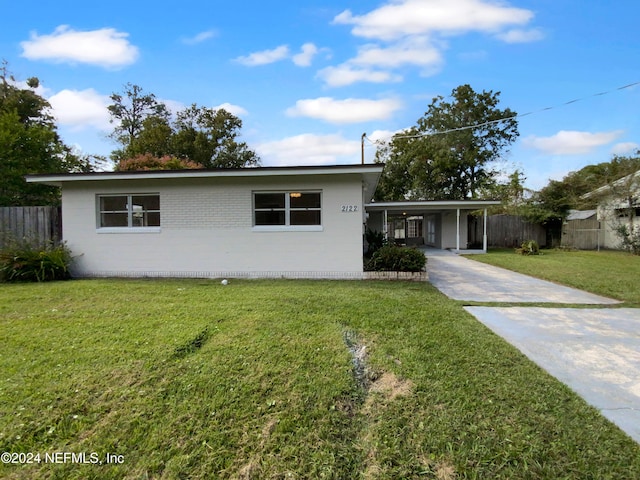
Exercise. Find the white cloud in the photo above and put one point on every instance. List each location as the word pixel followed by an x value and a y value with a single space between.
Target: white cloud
pixel 305 57
pixel 79 109
pixel 412 32
pixel 571 142
pixel 346 74
pixel 105 47
pixel 400 18
pixel 265 57
pixel 413 51
pixel 382 135
pixel 200 37
pixel 625 148
pixel 310 149
pixel 236 110
pixel 351 110
pixel 521 36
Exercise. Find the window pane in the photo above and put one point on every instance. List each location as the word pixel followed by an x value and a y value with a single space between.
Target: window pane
pixel 114 220
pixel 113 204
pixel 146 202
pixel 270 218
pixel 305 217
pixel 145 219
pixel 269 200
pixel 153 219
pixel 304 200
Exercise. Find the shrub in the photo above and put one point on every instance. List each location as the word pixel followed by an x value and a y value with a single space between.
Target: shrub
pixel 529 248
pixel 24 262
pixel 149 162
pixel 629 238
pixel 375 241
pixel 391 258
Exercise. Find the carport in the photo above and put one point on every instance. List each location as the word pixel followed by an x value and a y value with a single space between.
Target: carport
pixel 439 224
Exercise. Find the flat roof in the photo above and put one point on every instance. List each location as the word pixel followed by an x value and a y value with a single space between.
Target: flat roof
pixel 425 205
pixel 59 178
pixel 370 173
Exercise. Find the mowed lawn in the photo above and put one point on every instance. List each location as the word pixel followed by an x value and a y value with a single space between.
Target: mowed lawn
pixel 256 379
pixel 609 273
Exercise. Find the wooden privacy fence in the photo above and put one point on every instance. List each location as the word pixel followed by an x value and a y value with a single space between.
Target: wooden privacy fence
pixel 506 231
pixel 584 234
pixel 37 225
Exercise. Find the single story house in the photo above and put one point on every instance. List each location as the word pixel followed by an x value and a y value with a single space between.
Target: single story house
pixel 617 204
pixel 265 222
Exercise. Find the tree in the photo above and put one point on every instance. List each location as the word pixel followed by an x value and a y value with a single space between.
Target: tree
pixel 449 153
pixel 129 112
pixel 29 143
pixel 202 135
pixel 209 137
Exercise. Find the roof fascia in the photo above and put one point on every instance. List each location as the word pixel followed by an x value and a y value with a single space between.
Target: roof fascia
pixel 371 171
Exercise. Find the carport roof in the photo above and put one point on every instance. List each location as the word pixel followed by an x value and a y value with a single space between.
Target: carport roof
pixel 427 205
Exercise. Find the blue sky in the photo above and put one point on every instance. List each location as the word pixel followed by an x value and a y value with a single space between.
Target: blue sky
pixel 309 78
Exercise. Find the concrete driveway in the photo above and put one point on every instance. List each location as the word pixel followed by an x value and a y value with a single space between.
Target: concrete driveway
pixel 463 279
pixel 595 351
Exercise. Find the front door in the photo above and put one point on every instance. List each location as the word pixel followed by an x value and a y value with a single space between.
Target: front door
pixel 430 232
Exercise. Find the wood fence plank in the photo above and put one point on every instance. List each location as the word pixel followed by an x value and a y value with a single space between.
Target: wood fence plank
pixel 37 225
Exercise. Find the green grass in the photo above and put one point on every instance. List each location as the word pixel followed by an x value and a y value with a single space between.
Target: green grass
pixel 191 379
pixel 609 273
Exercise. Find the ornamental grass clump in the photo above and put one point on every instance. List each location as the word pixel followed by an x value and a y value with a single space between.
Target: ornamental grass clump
pixel 391 258
pixel 530 247
pixel 25 262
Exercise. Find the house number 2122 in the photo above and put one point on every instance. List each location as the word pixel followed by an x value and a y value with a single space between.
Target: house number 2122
pixel 348 208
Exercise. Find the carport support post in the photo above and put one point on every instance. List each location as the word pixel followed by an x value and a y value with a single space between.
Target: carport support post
pixel 484 232
pixel 386 225
pixel 457 229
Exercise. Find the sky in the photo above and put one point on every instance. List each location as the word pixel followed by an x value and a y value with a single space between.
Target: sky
pixel 308 79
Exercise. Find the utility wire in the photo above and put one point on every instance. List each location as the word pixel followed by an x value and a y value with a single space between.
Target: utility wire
pixel 468 127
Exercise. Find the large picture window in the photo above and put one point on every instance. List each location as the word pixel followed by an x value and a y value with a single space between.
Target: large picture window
pixel 287 209
pixel 129 211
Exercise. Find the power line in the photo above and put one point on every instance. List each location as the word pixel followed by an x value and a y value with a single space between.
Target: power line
pixel 533 112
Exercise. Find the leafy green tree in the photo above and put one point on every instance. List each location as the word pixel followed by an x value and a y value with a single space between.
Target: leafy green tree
pixel 129 112
pixel 449 153
pixel 29 143
pixel 155 138
pixel 209 137
pixel 203 135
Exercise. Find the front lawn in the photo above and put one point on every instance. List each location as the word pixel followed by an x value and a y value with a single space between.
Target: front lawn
pixel 257 379
pixel 609 273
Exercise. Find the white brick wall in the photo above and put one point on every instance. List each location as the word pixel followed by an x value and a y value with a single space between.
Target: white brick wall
pixel 206 208
pixel 206 230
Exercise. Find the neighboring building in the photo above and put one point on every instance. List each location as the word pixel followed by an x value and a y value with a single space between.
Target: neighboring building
pixel 618 204
pixel 294 222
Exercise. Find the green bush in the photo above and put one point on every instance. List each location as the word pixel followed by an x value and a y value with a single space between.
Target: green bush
pixel 375 241
pixel 530 247
pixel 25 262
pixel 391 258
pixel 629 238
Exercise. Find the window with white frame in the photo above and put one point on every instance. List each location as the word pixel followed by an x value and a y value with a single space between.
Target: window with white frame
pixel 287 209
pixel 129 211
